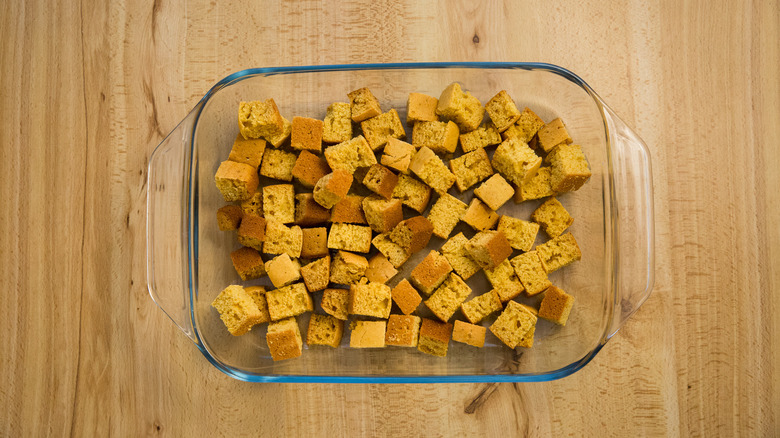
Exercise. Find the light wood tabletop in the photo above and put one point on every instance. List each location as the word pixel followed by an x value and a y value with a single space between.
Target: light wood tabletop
pixel 90 88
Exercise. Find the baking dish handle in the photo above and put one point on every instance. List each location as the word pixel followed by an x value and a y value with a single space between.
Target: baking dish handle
pixel 633 190
pixel 166 225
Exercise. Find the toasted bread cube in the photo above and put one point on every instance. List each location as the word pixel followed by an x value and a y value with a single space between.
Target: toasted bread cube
pixel 434 337
pixel 552 134
pixel 284 339
pixel 350 155
pixel 515 161
pixel 445 214
pixel 248 263
pixel 488 248
pixel 347 268
pixel 350 237
pixel 556 305
pixel 380 269
pixel 382 214
pixel 247 151
pixel 324 330
pixel 440 137
pixel 236 181
pixel 283 270
pixel 254 204
pixel 462 108
pixel 559 252
pixel 520 234
pixel 502 110
pixel 309 168
pixel 364 105
pixel 412 234
pixel 430 273
pixel 504 280
pixel 332 188
pixel 455 252
pixel 251 233
pixel 379 129
pixel 539 186
pixel 237 310
pixel 288 301
pixel 306 134
pixel 569 168
pixel 278 164
pixel 482 137
pixel 421 108
pixel 367 334
pixel 469 334
pixel 258 296
pixel 370 299
pixel 529 269
pixel 335 302
pixel 349 210
pixel 471 168
pixel 479 308
pixel 279 203
pixel 431 170
pixel 553 217
pixel 412 193
pixel 514 325
pixel 396 255
pixel 316 275
pixel 397 155
pixel 403 330
pixel 337 126
pixel 281 239
pixel 406 297
pixel 527 125
pixel 278 139
pixel 229 217
pixel 259 119
pixel 381 181
pixel 448 297
pixel 495 191
pixel 315 242
pixel 479 216
pixel 308 212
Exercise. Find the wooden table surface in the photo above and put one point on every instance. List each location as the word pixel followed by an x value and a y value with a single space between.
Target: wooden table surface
pixel 89 89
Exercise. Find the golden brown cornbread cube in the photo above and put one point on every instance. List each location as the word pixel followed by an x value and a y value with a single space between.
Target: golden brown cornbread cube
pixel 288 301
pixel 412 234
pixel 248 263
pixel 403 330
pixel 488 248
pixel 350 237
pixel 431 170
pixel 283 270
pixel 379 129
pixel 455 252
pixel 434 337
pixel 380 180
pixel 421 108
pixel 281 239
pixel 556 305
pixel 309 168
pixel 482 137
pixel 308 212
pixel 278 139
pixel 559 252
pixel 552 134
pixel 316 275
pixel 254 204
pixel 367 334
pixel 471 168
pixel 430 273
pixel 279 203
pixel 479 216
pixel 258 296
pixel 394 253
pixel 335 302
pixel 350 155
pixel 337 126
pixel 525 128
pixel 553 217
pixel 470 334
pixel 502 110
pixel 236 181
pixel 332 188
pixel 520 234
pixel 370 299
pixel 284 339
pixel 315 242
pixel 495 192
pixel 259 119
pixel 514 325
pixel 515 161
pixel 535 188
pixel 412 193
pixel 479 308
pixel 529 269
pixel 364 105
pixel 229 217
pixel 462 108
pixel 504 280
pixel 237 310
pixel 306 134
pixel 569 168
pixel 382 214
pixel 324 330
pixel 406 297
pixel 251 232
pixel 397 155
pixel 278 164
pixel 349 210
pixel 347 268
pixel 247 151
pixel 448 297
pixel 380 269
pixel 445 214
pixel 440 137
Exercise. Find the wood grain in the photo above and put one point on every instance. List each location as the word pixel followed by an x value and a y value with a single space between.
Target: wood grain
pixel 88 90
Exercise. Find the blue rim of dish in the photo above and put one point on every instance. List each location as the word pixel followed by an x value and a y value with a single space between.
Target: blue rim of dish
pixel 192 227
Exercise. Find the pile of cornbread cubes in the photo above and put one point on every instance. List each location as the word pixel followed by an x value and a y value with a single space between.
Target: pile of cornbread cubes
pixel 330 210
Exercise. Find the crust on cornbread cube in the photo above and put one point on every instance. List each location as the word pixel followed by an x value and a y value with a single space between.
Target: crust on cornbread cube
pixel 347 268
pixel 469 334
pixel 349 210
pixel 332 188
pixel 237 310
pixel 403 330
pixel 278 139
pixel 258 296
pixel 315 242
pixel 308 212
pixel 412 234
pixel 380 270
pixel 552 134
pixel 229 217
pixel 434 337
pixel 539 186
pixel 488 248
pixel 309 168
pixel 251 232
pixel 247 151
pixel 495 192
pixel 284 339
pixel 432 271
pixel 406 297
pixel 382 214
pixel 367 334
pixel 236 181
pixel 306 134
pixel 380 180
pixel 421 108
pixel 479 216
pixel 316 275
pixel 556 305
pixel 248 263
pixel 283 270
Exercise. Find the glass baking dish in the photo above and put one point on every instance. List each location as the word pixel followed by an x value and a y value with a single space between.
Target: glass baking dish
pixel 188 261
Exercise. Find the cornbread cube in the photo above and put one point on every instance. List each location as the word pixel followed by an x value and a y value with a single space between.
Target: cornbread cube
pixel 479 308
pixel 412 193
pixel 337 126
pixel 471 168
pixel 247 151
pixel 396 255
pixel 382 214
pixel 514 325
pixel 367 334
pixel 288 301
pixel 259 119
pixel 559 252
pixel 364 105
pixel 347 268
pixel 316 275
pixel 445 214
pixel 248 263
pixel 448 297
pixel 349 210
pixel 379 129
pixel 237 310
pixel 258 296
pixel 529 269
pixel 350 155
pixel 406 297
pixel 279 203
pixel 552 134
pixel 434 337
pixel 278 139
pixel 479 216
pixel 502 110
pixel 380 180
pixel 553 217
pixel 309 168
pixel 236 181
pixel 370 299
pixel 495 191
pixel 515 161
pixel 412 234
pixel 281 239
pixel 482 137
pixel 403 330
pixel 569 168
pixel 462 108
pixel 520 234
pixel 284 339
pixel 324 330
pixel 421 108
pixel 308 211
pixel 278 164
pixel 431 170
pixel 470 334
pixel 315 242
pixel 525 128
pixel 282 270
pixel 335 302
pixel 504 280
pixel 380 269
pixel 350 237
pixel 488 248
pixel 556 305
pixel 535 188
pixel 306 134
pixel 432 271
pixel 455 252
pixel 229 217
pixel 332 188
pixel 397 155
pixel 440 137
pixel 254 204
pixel 251 233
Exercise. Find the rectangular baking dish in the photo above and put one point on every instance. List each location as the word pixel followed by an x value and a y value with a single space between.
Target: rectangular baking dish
pixel 188 261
